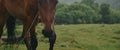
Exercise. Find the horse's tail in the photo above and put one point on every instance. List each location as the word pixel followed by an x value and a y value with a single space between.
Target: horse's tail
pixel 10 24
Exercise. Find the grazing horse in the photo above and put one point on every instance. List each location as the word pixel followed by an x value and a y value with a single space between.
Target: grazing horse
pixel 26 11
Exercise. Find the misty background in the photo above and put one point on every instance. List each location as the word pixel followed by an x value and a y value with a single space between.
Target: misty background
pixel 113 3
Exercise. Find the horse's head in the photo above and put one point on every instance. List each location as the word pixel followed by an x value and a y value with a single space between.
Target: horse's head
pixel 47 10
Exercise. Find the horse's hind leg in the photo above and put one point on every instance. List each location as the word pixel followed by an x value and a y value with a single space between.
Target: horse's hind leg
pixel 27 29
pixel 10 24
pixel 2 23
pixel 34 42
pixel 26 35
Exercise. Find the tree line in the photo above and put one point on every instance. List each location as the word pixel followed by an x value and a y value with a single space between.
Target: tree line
pixel 86 12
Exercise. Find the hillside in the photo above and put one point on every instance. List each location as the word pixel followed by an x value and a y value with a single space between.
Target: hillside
pixel 69 1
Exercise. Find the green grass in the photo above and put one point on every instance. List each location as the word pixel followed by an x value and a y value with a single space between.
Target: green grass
pixel 80 37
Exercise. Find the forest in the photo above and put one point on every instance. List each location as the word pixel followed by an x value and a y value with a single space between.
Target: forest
pixel 87 12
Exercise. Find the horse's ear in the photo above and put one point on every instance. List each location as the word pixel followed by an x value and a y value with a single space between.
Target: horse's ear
pixel 56 1
pixel 38 1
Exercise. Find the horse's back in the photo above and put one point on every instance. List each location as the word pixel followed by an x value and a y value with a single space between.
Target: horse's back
pixel 21 8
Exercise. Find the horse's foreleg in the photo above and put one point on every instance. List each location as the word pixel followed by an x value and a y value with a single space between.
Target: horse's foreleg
pixel 26 34
pixel 34 41
pixel 10 24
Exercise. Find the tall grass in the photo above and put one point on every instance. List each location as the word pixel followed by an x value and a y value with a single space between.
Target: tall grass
pixel 80 37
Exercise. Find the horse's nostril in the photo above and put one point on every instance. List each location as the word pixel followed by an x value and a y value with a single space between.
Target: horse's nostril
pixel 47 33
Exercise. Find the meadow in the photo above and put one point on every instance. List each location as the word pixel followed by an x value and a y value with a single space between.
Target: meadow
pixel 76 37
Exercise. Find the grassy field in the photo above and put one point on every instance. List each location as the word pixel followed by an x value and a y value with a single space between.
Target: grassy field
pixel 78 37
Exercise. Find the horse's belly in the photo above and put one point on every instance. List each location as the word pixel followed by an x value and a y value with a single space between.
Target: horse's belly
pixel 22 10
pixel 2 7
pixel 17 13
pixel 15 10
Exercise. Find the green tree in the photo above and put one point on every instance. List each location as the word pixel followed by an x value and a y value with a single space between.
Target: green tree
pixel 105 12
pixel 76 13
pixel 115 16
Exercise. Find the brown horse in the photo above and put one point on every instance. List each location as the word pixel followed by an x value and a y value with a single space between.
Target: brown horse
pixel 26 11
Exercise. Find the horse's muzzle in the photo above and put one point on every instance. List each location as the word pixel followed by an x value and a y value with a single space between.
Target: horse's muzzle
pixel 48 33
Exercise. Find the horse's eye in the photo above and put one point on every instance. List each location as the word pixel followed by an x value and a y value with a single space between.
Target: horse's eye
pixel 39 1
pixel 56 2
